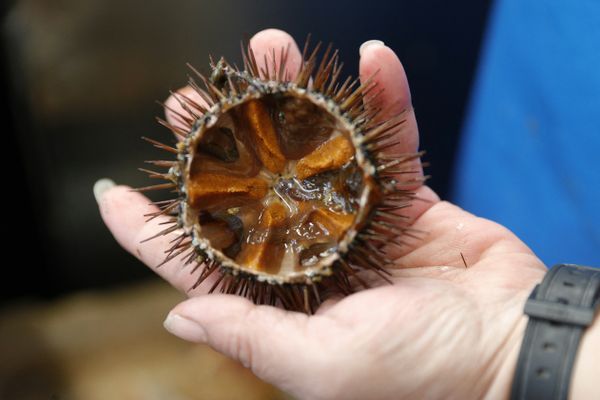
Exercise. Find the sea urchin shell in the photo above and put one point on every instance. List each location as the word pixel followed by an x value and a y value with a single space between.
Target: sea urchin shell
pixel 283 184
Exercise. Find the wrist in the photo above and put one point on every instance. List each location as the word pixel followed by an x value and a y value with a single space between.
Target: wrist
pixel 502 383
pixel 584 381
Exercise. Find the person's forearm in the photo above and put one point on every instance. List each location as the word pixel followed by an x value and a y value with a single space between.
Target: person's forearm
pixel 585 382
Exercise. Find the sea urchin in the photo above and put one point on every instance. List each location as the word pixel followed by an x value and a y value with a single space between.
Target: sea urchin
pixel 284 187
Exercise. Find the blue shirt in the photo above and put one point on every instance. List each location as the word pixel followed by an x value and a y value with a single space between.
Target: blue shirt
pixel 530 152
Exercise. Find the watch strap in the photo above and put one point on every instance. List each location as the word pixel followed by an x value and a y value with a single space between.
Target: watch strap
pixel 559 309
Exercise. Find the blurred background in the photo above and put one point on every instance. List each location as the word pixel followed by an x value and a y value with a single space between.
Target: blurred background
pixel 81 318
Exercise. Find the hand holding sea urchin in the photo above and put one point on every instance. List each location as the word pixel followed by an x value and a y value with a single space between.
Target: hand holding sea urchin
pixel 284 184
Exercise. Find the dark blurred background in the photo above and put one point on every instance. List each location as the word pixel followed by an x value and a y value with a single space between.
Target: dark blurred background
pixel 79 80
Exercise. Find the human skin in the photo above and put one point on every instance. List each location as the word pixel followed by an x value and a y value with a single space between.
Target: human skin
pixel 442 330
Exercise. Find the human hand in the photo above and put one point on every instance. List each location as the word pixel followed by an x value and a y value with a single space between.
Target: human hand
pixel 442 330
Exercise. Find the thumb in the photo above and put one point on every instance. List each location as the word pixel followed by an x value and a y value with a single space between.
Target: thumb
pixel 275 344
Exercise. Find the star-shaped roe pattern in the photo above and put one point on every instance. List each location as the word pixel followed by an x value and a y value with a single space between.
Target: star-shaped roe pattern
pixel 274 183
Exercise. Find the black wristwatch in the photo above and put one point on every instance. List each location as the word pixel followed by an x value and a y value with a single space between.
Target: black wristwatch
pixel 559 310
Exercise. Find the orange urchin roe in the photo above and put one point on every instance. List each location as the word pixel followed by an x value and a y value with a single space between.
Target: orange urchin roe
pixel 330 155
pixel 274 183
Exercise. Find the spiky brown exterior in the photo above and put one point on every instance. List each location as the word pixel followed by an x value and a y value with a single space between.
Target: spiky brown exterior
pixel 379 222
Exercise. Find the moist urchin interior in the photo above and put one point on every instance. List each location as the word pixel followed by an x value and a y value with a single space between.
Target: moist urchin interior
pixel 274 187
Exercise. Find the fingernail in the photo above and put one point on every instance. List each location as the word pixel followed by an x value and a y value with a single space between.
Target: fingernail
pixel 370 43
pixel 101 186
pixel 185 328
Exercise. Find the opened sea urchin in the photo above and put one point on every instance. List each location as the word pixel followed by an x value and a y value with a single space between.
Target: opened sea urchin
pixel 284 188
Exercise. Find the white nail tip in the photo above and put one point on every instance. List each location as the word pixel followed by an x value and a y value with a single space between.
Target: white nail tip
pixel 370 43
pixel 171 321
pixel 101 186
pixel 184 328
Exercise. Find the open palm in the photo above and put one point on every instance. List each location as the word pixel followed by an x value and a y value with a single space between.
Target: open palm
pixel 449 326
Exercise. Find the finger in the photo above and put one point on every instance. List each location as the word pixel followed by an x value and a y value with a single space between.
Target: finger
pixel 264 44
pixel 268 43
pixel 123 213
pixel 380 63
pixel 276 345
pixel 179 105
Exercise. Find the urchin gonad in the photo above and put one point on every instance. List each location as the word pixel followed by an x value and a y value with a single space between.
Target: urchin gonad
pixel 284 184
